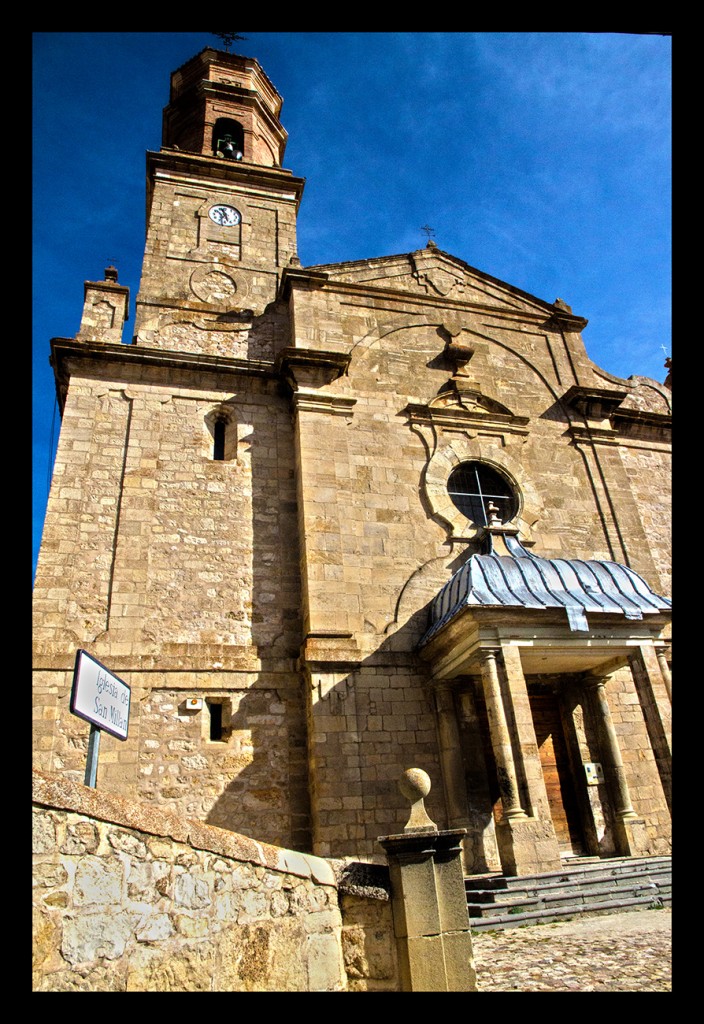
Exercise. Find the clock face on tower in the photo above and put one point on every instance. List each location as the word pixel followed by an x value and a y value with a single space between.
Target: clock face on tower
pixel 225 216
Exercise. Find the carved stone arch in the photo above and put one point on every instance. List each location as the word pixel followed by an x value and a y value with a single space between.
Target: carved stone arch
pixel 428 321
pixel 462 449
pixel 411 611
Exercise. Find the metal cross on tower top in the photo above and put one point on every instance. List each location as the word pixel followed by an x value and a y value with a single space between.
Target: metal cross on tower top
pixel 228 38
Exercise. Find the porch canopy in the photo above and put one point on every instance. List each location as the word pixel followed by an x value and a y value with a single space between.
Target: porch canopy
pixel 565 615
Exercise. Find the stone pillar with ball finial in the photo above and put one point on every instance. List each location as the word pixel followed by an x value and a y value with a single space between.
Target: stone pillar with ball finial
pixel 431 921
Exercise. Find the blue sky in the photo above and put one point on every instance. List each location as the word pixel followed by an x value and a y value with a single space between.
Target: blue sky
pixel 543 159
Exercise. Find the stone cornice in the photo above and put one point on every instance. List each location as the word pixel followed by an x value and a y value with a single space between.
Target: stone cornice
pixel 331 405
pixel 645 417
pixel 110 288
pixel 618 439
pixel 593 402
pixel 609 422
pixel 542 636
pixel 172 660
pixel 567 322
pixel 301 367
pixel 67 353
pixel 173 162
pixel 300 277
pixel 308 280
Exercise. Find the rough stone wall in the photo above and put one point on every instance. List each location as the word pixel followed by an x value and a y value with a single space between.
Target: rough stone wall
pixel 198 578
pixel 130 898
pixel 365 729
pixel 201 282
pixel 370 524
pixel 328 521
pixel 368 943
pixel 168 545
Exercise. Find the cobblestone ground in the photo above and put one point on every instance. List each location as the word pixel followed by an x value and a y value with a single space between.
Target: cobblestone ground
pixel 626 952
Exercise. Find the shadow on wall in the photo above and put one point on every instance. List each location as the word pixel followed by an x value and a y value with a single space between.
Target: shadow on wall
pixel 262 757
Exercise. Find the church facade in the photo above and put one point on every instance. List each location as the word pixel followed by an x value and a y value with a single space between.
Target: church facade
pixel 329 523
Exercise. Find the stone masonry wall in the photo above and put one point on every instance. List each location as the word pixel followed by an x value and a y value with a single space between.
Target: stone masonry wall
pixel 168 545
pixel 378 537
pixel 644 467
pixel 180 572
pixel 638 759
pixel 131 898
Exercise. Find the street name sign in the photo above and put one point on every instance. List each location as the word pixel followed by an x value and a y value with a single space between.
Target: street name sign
pixel 100 697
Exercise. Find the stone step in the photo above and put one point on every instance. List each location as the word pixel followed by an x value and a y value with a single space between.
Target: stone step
pixel 545 916
pixel 593 886
pixel 586 869
pixel 566 898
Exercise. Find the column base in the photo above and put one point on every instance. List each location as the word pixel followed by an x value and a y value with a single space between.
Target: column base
pixel 527 846
pixel 632 838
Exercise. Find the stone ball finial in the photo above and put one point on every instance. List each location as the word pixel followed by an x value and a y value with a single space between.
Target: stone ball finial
pixel 414 784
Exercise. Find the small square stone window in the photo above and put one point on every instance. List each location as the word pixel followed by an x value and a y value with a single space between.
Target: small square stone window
pixel 218 720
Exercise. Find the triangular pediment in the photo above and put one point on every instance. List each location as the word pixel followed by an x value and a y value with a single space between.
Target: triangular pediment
pixel 437 275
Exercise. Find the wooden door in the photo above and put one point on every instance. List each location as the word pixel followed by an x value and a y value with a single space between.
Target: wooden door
pixel 556 771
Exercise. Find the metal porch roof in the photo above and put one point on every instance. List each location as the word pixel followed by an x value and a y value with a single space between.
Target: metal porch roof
pixel 523 580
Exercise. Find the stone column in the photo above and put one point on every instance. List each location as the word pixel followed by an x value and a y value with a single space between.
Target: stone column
pixel 451 761
pixel 431 921
pixel 530 768
pixel 665 671
pixel 630 832
pixel 527 845
pixel 500 738
pixel 334 759
pixel 653 691
pixel 480 845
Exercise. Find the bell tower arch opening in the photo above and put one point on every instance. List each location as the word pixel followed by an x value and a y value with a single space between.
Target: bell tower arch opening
pixel 228 139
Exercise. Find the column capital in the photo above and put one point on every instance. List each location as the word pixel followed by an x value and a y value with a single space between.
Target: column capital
pixel 490 654
pixel 595 682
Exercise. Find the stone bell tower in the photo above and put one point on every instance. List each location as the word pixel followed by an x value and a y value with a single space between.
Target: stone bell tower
pixel 221 211
pixel 170 548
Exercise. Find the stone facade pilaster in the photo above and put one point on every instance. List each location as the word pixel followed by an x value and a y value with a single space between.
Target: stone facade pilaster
pixel 629 829
pixel 453 777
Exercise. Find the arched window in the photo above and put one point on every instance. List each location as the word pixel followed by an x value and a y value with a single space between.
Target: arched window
pixel 228 139
pixel 221 434
pixel 472 485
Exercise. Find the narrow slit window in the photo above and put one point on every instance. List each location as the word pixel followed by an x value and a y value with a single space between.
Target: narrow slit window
pixel 219 440
pixel 215 721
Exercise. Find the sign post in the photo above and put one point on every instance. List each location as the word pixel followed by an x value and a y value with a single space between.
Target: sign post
pixel 92 761
pixel 102 699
